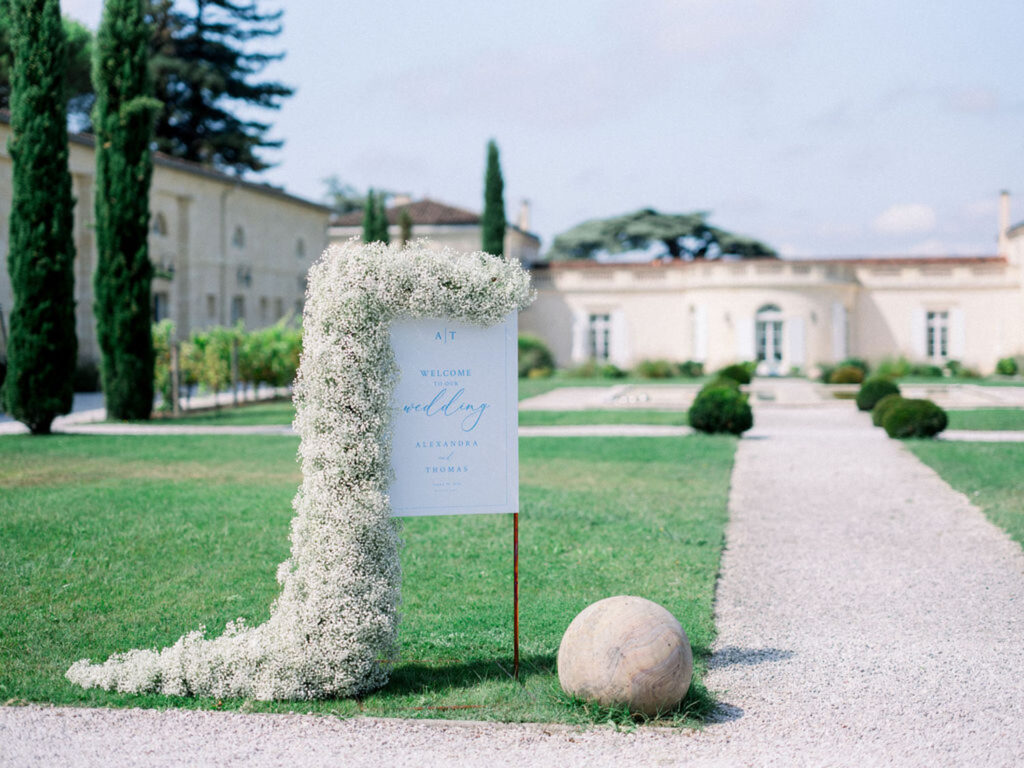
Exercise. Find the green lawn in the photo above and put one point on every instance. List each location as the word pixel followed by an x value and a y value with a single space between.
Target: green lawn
pixel 991 475
pixel 619 416
pixel 283 413
pixel 988 381
pixel 112 543
pixel 987 418
pixel 252 414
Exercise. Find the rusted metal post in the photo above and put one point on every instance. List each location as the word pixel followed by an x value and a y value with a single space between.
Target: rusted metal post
pixel 515 595
pixel 175 379
pixel 234 370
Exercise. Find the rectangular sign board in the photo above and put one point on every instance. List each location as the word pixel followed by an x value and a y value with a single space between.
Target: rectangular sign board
pixel 455 444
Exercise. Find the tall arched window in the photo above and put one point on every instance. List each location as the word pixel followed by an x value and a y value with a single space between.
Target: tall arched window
pixel 300 248
pixel 238 239
pixel 768 338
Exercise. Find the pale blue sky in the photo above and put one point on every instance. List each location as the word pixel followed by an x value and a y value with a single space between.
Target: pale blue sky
pixel 823 128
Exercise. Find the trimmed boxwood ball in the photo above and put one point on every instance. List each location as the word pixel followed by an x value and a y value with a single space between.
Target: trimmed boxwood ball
pixel 721 409
pixel 874 390
pixel 881 409
pixel 736 372
pixel 721 381
pixel 846 374
pixel 914 418
pixel 1006 366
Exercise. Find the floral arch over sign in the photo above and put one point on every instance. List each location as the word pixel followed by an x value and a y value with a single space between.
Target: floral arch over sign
pixel 336 617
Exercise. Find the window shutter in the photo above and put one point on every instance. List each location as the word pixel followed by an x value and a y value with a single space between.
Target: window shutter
pixel 795 341
pixel 618 347
pixel 840 348
pixel 917 334
pixel 579 337
pixel 745 338
pixel 957 334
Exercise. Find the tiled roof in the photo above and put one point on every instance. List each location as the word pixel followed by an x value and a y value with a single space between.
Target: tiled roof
pixel 187 166
pixel 868 261
pixel 422 212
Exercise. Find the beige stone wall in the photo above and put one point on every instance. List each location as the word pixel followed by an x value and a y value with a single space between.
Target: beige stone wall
pixel 983 304
pixel 827 310
pixel 195 216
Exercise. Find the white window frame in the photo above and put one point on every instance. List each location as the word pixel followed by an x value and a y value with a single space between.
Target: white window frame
pixel 599 336
pixel 936 334
pixel 769 320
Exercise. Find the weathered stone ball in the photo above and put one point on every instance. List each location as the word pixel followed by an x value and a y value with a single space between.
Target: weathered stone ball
pixel 626 651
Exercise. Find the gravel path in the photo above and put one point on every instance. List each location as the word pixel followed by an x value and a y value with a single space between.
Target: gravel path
pixel 868 615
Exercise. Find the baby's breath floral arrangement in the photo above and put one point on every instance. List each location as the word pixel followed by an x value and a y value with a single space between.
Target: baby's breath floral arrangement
pixel 335 621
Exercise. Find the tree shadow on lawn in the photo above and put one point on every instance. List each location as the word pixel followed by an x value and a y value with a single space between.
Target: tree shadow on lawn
pixel 423 676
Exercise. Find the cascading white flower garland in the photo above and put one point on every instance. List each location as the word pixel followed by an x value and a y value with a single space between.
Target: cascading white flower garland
pixel 336 618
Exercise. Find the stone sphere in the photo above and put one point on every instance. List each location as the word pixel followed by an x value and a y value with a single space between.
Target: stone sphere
pixel 626 651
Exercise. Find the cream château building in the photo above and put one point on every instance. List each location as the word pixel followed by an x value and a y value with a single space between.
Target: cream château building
pixel 228 250
pixel 224 249
pixel 786 314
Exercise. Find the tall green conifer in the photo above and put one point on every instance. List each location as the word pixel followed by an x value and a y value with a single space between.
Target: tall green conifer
pixel 370 217
pixel 405 227
pixel 381 234
pixel 42 347
pixel 493 223
pixel 123 119
pixel 375 218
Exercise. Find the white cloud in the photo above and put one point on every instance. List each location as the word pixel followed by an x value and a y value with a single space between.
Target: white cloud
pixel 704 28
pixel 904 219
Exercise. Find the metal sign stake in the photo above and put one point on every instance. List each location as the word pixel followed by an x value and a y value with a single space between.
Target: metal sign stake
pixel 515 595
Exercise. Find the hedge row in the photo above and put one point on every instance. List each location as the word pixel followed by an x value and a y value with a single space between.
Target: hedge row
pixel 265 356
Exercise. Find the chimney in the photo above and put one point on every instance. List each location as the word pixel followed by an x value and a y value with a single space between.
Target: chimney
pixel 1004 220
pixel 402 198
pixel 523 222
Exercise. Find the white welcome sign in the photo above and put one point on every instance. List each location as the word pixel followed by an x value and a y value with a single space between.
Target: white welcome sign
pixel 455 449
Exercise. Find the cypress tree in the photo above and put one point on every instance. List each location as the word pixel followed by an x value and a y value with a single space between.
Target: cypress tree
pixel 42 347
pixel 493 224
pixel 78 55
pixel 375 219
pixel 124 127
pixel 370 217
pixel 405 226
pixel 381 234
